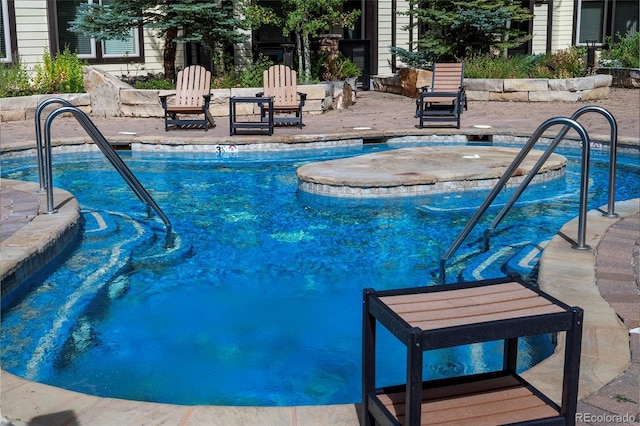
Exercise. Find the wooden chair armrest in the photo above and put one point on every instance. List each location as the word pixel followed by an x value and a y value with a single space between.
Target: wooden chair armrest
pixel 207 100
pixel 303 98
pixel 163 99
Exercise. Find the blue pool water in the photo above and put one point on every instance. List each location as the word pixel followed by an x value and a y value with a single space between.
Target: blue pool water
pixel 259 303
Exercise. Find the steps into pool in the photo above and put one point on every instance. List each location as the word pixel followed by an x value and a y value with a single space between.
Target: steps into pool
pixel 519 258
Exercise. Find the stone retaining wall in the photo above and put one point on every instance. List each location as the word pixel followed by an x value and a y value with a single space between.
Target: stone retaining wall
pixel 107 96
pixel 514 90
pixel 628 78
pixel 24 107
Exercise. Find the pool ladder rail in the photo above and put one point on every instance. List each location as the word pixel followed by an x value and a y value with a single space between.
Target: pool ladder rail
pixel 584 180
pixel 45 167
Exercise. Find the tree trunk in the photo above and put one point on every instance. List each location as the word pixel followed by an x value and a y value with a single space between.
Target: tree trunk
pixel 169 58
pixel 307 57
pixel 299 51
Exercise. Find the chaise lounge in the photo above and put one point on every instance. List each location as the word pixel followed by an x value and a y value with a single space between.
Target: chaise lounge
pixel 445 98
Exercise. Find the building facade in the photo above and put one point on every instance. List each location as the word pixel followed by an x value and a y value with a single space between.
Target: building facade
pixel 29 28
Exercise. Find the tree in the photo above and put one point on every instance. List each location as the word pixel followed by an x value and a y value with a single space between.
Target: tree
pixel 454 30
pixel 308 18
pixel 216 23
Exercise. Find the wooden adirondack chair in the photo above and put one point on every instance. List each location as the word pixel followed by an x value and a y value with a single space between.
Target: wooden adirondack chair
pixel 193 94
pixel 445 99
pixel 280 84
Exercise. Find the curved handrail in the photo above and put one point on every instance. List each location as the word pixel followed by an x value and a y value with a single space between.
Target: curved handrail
pixel 39 147
pixel 612 170
pixel 613 151
pixel 113 158
pixel 568 122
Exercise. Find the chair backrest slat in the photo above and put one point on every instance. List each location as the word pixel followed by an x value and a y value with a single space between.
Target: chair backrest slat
pixel 447 77
pixel 280 83
pixel 191 84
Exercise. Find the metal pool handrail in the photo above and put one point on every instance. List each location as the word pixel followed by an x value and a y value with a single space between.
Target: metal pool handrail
pixel 584 185
pixel 113 158
pixel 613 152
pixel 612 170
pixel 39 147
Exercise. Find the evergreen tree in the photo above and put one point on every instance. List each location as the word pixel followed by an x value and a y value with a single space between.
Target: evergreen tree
pixel 454 30
pixel 215 22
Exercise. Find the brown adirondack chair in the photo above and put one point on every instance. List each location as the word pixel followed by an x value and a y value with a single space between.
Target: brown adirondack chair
pixel 445 98
pixel 280 84
pixel 193 94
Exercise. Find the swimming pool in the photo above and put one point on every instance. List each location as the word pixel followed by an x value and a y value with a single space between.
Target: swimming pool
pixel 238 313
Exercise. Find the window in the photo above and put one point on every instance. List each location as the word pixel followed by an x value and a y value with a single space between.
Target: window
pixel 107 51
pixel 8 46
pixel 599 19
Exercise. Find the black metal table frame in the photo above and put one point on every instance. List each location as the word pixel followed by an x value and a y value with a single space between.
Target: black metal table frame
pixel 265 123
pixel 418 341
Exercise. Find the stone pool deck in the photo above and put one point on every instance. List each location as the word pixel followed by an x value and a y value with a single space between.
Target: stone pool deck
pixel 603 280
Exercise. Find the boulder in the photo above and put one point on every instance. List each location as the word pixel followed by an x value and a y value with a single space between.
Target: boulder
pixel 105 91
pixel 412 79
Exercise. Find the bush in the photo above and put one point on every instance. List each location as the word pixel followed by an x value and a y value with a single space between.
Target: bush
pixel 250 76
pixel 339 67
pixel 60 74
pixel 624 53
pixel 487 66
pixel 561 64
pixel 149 81
pixel 14 81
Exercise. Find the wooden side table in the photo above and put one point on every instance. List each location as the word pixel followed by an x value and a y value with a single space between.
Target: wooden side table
pixel 265 123
pixel 450 315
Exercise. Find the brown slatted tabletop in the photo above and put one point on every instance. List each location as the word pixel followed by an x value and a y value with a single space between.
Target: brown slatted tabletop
pixel 430 311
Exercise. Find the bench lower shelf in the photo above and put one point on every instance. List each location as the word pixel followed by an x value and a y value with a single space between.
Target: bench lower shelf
pixel 488 401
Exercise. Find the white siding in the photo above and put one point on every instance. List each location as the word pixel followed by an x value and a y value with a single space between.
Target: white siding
pixel 562 25
pixel 32 31
pixel 403 35
pixel 153 52
pixel 384 37
pixel 539 42
pixel 32 28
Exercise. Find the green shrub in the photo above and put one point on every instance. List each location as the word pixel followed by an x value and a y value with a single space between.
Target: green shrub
pixel 339 67
pixel 252 75
pixel 561 64
pixel 249 76
pixel 14 81
pixel 60 74
pixel 623 53
pixel 154 84
pixel 487 66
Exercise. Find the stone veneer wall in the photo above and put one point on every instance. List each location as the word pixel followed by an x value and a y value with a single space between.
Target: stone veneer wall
pixel 517 90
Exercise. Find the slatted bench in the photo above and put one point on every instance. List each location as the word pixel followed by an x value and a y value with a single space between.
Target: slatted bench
pixel 442 316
